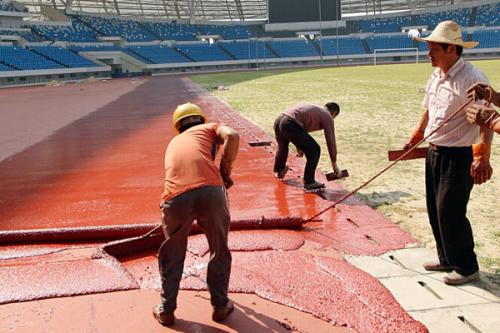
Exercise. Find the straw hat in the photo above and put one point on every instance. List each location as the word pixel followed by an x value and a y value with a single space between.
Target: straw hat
pixel 448 32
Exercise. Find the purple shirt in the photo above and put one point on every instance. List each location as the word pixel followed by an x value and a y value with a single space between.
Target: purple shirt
pixel 314 118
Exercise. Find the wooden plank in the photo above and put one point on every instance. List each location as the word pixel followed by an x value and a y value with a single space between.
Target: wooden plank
pixel 414 154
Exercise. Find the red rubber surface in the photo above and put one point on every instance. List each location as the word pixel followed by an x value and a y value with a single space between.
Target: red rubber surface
pixel 105 170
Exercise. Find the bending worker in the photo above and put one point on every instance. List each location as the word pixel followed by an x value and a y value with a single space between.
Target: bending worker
pixel 195 189
pixel 294 125
pixel 482 115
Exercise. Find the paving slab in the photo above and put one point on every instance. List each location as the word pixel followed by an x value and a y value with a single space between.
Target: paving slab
pixel 479 318
pixel 442 308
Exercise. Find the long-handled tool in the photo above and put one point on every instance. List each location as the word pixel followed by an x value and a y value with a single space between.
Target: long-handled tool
pixel 401 157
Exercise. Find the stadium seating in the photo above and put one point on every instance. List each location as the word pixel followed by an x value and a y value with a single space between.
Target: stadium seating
pixel 172 31
pixel 227 31
pixel 204 52
pixel 488 15
pixel 76 32
pixel 158 54
pixel 249 49
pixel 349 45
pixel 380 25
pixel 294 48
pixel 4 68
pixel 27 35
pixel 63 56
pixel 25 59
pixel 487 38
pixel 389 42
pixel 461 16
pixel 129 30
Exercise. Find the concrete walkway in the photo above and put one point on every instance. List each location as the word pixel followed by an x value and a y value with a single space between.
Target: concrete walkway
pixel 442 308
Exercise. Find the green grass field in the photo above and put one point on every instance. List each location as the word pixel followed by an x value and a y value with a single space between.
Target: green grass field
pixel 380 107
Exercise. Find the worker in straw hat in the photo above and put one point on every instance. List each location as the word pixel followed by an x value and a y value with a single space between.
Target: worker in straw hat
pixel 484 115
pixel 458 155
pixel 195 189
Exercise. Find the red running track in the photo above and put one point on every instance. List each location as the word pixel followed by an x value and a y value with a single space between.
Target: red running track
pixel 105 170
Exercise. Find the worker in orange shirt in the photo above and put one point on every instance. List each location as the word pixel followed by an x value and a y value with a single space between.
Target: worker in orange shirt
pixel 484 115
pixel 195 189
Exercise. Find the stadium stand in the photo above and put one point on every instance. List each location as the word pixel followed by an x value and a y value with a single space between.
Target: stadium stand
pixel 294 48
pixel 28 35
pixel 347 45
pixel 172 31
pixel 488 15
pixel 24 59
pixel 63 56
pixel 381 25
pixel 227 31
pixel 129 30
pixel 203 52
pixel 109 37
pixel 158 54
pixel 77 32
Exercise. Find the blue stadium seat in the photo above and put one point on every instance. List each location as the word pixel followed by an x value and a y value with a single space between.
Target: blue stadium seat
pixel 389 42
pixel 294 48
pixel 172 31
pixel 64 56
pixel 204 52
pixel 25 59
pixel 76 32
pixel 488 15
pixel 346 45
pixel 159 54
pixel 248 49
pixel 129 30
pixel 487 38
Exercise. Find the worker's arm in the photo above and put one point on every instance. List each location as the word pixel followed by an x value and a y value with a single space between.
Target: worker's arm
pixel 484 116
pixel 231 142
pixel 329 130
pixel 418 134
pixel 480 169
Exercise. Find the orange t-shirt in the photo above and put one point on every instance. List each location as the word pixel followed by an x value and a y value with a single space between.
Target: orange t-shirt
pixel 188 161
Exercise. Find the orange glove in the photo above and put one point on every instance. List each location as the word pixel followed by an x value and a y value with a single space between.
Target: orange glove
pixel 480 169
pixel 416 137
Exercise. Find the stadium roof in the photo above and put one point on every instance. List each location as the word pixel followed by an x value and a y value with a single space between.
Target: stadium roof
pixel 220 10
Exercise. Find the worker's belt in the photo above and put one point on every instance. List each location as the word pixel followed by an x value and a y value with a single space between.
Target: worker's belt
pixel 448 149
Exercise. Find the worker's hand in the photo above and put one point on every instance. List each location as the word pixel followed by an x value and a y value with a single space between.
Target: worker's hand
pixel 416 137
pixel 336 169
pixel 226 167
pixel 228 181
pixel 300 153
pixel 480 168
pixel 481 115
pixel 480 91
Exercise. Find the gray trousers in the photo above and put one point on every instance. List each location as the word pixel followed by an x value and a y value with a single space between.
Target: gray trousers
pixel 207 205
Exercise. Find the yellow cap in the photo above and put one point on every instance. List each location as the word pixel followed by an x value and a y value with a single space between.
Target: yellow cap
pixel 186 110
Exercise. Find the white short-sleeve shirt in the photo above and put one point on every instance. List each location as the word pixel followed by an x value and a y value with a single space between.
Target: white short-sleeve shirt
pixel 444 96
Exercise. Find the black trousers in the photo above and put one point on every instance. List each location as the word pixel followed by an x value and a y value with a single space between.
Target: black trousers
pixel 288 130
pixel 448 185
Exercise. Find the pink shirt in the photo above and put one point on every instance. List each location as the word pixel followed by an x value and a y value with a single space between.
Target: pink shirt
pixel 444 96
pixel 314 118
pixel 189 163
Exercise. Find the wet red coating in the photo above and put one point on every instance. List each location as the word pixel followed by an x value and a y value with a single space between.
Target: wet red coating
pixel 257 240
pixel 63 273
pixel 328 288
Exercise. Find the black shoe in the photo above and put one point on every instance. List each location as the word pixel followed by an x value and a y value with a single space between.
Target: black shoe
pixel 165 318
pixel 436 266
pixel 314 186
pixel 220 314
